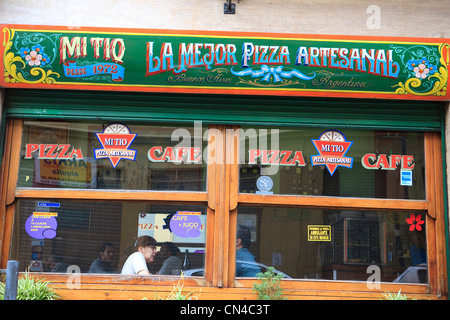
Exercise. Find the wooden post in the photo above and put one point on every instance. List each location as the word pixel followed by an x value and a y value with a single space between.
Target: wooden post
pixel 12 278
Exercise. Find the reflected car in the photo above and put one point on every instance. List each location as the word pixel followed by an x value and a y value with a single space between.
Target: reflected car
pixel 415 274
pixel 199 272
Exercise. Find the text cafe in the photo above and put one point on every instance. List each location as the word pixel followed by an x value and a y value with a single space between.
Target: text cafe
pixel 215 156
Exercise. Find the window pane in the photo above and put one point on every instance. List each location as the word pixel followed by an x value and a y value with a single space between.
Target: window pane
pixel 112 156
pixel 347 163
pixel 333 244
pixel 50 236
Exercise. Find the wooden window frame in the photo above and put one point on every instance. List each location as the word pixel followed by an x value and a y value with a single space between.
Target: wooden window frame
pixel 222 199
pixel 432 207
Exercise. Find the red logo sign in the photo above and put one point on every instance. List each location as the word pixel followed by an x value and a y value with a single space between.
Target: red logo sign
pixel 115 139
pixel 332 147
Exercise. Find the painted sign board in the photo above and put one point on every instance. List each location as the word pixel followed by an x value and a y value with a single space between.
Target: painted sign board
pixel 53 57
pixel 42 225
pixel 319 233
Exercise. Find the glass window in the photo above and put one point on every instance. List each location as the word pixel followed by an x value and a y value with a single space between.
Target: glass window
pixel 98 237
pixel 332 244
pixel 346 163
pixel 112 156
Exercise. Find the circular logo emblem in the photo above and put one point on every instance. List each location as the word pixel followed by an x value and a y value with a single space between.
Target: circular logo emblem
pixel 264 183
pixel 41 227
pixel 186 224
pixel 117 128
pixel 332 135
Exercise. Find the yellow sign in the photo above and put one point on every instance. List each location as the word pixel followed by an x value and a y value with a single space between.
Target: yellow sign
pixel 44 214
pixel 319 233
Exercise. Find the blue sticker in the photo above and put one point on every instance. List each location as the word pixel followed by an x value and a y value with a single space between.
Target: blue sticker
pixel 406 178
pixel 49 204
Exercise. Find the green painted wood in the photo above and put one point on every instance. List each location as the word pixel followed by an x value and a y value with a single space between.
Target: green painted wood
pixel 229 109
pixel 217 62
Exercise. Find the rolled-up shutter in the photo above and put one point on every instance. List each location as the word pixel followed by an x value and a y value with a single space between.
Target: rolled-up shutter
pixel 226 109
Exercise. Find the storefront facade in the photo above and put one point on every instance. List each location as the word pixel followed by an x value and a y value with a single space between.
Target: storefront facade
pixel 326 152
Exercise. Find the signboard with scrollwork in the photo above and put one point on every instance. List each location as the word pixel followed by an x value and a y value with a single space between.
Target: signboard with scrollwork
pixel 223 62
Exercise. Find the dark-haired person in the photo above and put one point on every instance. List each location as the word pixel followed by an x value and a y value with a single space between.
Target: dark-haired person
pixel 136 263
pixel 103 263
pixel 245 261
pixel 172 264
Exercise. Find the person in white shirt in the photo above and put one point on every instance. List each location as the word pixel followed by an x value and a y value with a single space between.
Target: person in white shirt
pixel 136 263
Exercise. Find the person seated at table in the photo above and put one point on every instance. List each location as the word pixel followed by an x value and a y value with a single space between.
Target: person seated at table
pixel 172 264
pixel 145 251
pixel 103 263
pixel 246 265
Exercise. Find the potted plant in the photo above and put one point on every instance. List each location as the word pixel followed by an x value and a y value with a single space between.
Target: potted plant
pixel 269 288
pixel 29 288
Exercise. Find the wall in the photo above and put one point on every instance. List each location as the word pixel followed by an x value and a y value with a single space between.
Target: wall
pixel 349 17
pixel 398 18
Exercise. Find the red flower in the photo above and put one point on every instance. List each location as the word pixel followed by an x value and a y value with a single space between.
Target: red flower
pixel 415 222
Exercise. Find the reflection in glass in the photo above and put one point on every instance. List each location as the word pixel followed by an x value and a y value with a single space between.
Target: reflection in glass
pixel 72 155
pixel 337 244
pixel 384 164
pixel 97 237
